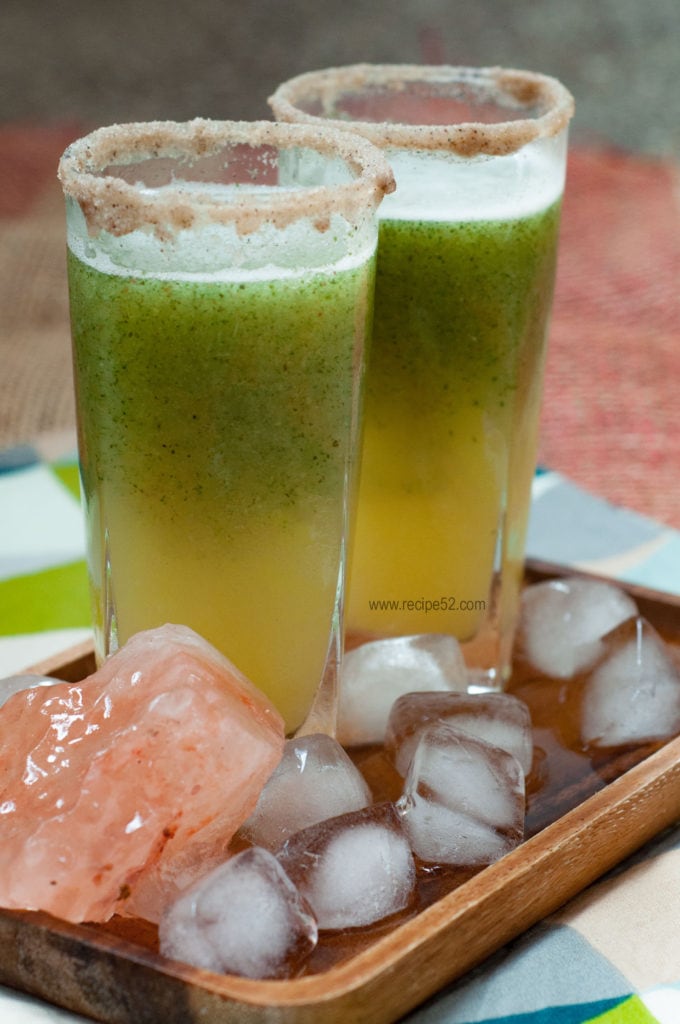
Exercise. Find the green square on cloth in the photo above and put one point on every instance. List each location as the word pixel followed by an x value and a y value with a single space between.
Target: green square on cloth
pixel 44 599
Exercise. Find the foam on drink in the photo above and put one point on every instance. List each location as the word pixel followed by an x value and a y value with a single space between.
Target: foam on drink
pixel 216 252
pixel 445 187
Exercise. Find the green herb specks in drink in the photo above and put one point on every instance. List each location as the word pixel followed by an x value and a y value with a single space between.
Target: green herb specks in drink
pixel 452 402
pixel 215 421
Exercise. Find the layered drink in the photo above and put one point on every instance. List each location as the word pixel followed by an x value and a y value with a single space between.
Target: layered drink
pixel 218 366
pixel 466 266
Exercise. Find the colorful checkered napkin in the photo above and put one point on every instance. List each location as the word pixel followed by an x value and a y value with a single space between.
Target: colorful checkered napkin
pixel 612 956
pixel 44 606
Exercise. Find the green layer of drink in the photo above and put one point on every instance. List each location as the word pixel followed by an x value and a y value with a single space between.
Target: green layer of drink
pixel 227 392
pixel 458 306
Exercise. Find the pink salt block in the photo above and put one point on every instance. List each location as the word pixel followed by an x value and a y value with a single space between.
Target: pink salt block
pixel 117 792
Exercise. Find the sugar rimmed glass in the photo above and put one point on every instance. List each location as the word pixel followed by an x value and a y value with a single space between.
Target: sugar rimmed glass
pixel 466 267
pixel 221 283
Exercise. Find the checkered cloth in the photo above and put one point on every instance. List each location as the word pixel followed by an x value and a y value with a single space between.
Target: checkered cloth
pixel 44 606
pixel 612 956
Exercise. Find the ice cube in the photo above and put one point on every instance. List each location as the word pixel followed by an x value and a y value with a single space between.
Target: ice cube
pixel 353 870
pixel 14 684
pixel 378 672
pixel 246 917
pixel 562 623
pixel 497 718
pixel 118 790
pixel 314 780
pixel 633 694
pixel 463 801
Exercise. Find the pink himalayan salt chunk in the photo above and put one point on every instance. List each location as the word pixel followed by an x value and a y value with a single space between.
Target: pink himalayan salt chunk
pixel 118 791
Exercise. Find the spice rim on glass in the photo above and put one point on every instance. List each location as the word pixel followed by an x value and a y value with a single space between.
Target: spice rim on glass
pixel 221 285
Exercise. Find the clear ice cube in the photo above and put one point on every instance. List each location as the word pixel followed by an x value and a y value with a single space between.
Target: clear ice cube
pixel 314 780
pixel 353 870
pixel 378 672
pixel 633 694
pixel 497 718
pixel 246 917
pixel 463 801
pixel 563 621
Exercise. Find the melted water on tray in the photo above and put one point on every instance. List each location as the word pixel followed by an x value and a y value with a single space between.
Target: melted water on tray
pixel 563 775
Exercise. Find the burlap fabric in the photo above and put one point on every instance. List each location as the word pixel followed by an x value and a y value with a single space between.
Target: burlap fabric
pixel 36 391
pixel 611 418
pixel 611 412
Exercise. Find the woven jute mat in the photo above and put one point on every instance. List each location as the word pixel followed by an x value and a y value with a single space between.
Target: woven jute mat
pixel 611 415
pixel 611 411
pixel 36 389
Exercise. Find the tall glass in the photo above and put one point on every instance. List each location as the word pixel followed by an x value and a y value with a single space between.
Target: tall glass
pixel 466 265
pixel 221 282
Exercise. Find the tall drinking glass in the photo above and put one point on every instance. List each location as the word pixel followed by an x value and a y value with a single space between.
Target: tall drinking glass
pixel 221 283
pixel 466 266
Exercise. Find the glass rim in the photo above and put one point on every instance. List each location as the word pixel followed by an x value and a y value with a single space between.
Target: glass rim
pixel 520 89
pixel 114 205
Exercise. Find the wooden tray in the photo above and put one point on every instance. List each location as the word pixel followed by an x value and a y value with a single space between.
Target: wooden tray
pixel 96 972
